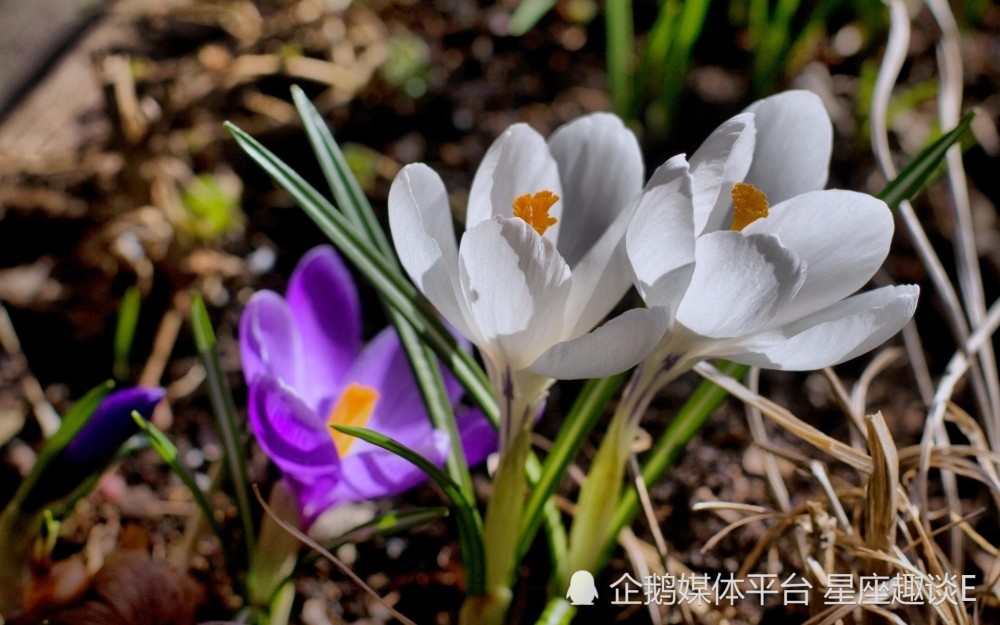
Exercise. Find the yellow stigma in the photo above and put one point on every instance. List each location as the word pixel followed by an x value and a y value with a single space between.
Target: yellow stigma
pixel 749 205
pixel 534 209
pixel 355 408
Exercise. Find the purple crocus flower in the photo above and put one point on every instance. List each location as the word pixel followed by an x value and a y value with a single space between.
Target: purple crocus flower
pixel 94 445
pixel 306 369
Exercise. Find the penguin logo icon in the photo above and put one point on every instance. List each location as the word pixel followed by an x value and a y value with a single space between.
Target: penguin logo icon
pixel 582 589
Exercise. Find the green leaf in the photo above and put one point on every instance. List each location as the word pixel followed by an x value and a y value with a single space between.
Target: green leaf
pixel 224 410
pixel 201 325
pixel 470 524
pixel 689 25
pixel 772 47
pixel 74 420
pixel 128 319
pixel 527 14
pixel 653 62
pixel 619 52
pixel 347 191
pixel 921 171
pixel 349 196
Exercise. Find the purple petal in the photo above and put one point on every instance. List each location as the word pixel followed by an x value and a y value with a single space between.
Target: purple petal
pixel 269 342
pixel 297 440
pixel 324 303
pixel 94 445
pixel 479 437
pixel 315 494
pixel 399 412
pixel 375 472
pixel 290 433
pixel 111 425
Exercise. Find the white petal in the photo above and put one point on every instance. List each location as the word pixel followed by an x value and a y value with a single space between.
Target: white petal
pixel 516 286
pixel 721 161
pixel 794 141
pixel 660 240
pixel 740 283
pixel 423 234
pixel 841 332
pixel 619 344
pixel 518 162
pixel 843 237
pixel 601 169
pixel 599 282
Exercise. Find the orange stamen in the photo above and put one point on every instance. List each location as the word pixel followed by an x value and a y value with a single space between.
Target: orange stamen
pixel 749 205
pixel 534 209
pixel 355 408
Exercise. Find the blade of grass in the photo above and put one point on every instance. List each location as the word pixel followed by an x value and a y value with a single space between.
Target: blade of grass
pixel 224 410
pixel 653 62
pixel 439 408
pixel 920 172
pixel 128 318
pixel 470 524
pixel 773 45
pixel 689 27
pixel 527 14
pixel 620 41
pixel 347 193
pixel 970 277
pixel 758 13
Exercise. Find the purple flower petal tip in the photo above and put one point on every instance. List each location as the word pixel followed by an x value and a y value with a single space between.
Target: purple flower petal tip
pixel 112 424
pixel 95 444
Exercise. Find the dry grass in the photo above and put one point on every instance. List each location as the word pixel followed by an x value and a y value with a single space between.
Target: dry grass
pixel 919 513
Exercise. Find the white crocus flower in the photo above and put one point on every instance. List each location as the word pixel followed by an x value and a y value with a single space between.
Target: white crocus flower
pixel 540 264
pixel 760 265
pixel 542 259
pixel 776 262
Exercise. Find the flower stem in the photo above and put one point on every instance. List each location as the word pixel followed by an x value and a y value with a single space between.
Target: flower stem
pixel 603 487
pixel 274 559
pixel 503 514
pixel 520 396
pixel 596 503
pixel 558 611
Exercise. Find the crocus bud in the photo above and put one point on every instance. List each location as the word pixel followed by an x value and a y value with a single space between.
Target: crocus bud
pixel 94 445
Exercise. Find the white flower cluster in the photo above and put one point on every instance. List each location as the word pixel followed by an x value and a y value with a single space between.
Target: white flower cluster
pixel 738 251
